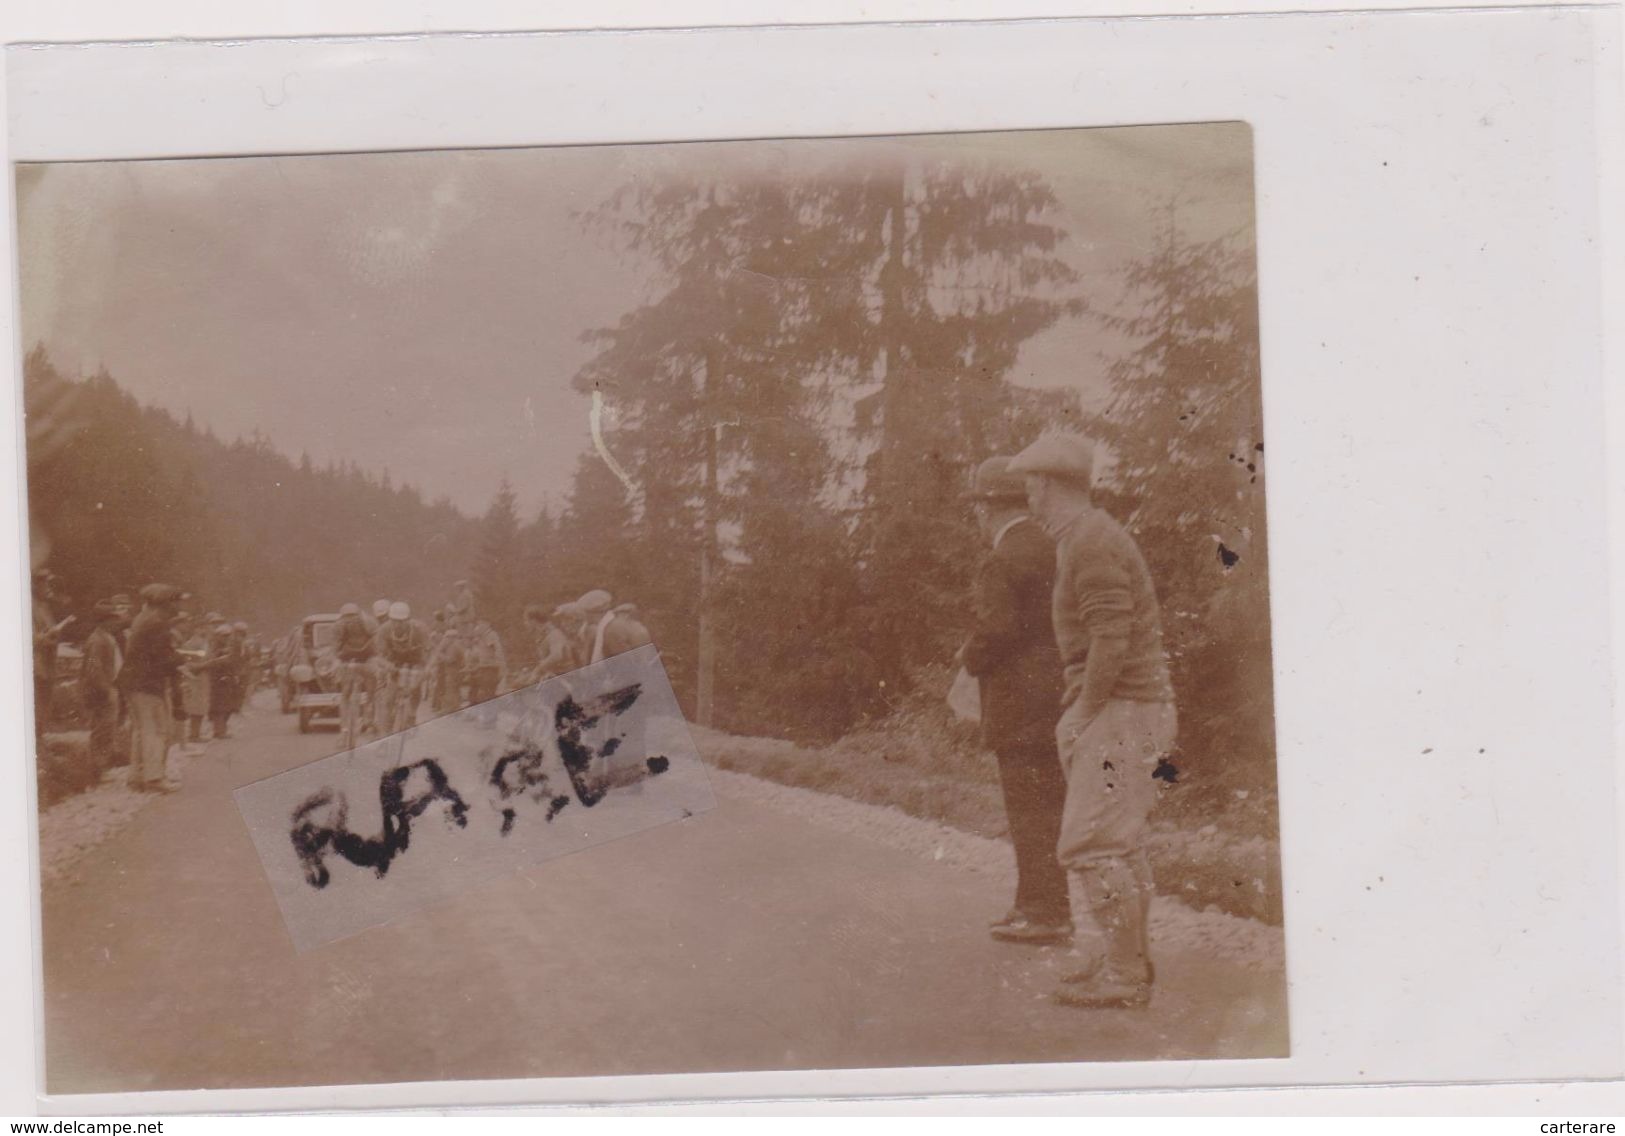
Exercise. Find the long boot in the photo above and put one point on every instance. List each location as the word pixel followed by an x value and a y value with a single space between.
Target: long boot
pixel 1119 897
pixel 1140 864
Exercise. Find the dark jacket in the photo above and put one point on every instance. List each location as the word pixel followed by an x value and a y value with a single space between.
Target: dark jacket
pixel 152 659
pixel 351 640
pixel 223 668
pixel 101 665
pixel 223 665
pixel 1012 649
pixel 405 645
pixel 45 640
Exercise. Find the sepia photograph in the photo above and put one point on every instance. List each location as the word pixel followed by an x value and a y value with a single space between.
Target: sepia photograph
pixel 799 604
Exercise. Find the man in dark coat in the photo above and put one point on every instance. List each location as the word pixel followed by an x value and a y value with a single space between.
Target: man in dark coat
pixel 247 658
pixel 1012 653
pixel 223 666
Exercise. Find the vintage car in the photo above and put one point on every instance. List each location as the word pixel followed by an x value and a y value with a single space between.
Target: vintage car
pixel 313 671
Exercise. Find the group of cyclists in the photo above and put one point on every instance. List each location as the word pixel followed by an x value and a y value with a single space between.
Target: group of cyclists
pixel 391 663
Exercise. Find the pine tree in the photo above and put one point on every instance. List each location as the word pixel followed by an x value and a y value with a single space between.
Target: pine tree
pixel 498 571
pixel 783 295
pixel 539 549
pixel 690 377
pixel 1185 429
pixel 53 418
pixel 595 545
pixel 963 259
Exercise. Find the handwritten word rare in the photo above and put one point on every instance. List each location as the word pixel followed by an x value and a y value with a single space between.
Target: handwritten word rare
pixel 518 779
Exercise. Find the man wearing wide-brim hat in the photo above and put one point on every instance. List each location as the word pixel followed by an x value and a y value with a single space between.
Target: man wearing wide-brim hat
pixel 1117 716
pixel 1011 652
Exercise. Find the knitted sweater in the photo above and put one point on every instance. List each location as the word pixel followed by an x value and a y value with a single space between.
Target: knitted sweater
pixel 1103 590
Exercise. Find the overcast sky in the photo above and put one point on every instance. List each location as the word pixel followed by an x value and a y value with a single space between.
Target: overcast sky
pixel 422 312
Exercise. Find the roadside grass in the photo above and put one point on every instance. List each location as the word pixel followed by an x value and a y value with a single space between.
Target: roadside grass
pixel 970 806
pixel 1212 844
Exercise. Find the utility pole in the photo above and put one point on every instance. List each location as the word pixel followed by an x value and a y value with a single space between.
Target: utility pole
pixel 706 696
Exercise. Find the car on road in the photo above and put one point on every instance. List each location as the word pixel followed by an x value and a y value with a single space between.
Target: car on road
pixel 313 671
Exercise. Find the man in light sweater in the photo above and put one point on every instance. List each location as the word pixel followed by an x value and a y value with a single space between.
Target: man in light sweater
pixel 150 666
pixel 1117 718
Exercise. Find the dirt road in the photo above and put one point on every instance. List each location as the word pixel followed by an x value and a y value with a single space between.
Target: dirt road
pixel 744 938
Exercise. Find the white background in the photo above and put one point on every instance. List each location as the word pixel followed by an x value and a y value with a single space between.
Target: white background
pixel 1431 289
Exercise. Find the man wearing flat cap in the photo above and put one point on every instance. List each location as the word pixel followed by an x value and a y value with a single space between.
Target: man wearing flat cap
pixel 150 666
pixel 1117 716
pixel 609 629
pixel 1011 652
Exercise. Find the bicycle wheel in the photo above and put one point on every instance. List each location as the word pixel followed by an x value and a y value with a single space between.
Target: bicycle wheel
pixel 347 708
pixel 406 700
pixel 383 711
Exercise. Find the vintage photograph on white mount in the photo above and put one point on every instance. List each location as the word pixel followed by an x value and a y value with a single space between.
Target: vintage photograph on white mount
pixel 925 472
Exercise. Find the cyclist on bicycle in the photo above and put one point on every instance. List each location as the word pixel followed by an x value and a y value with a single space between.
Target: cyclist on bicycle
pixel 403 647
pixel 352 644
pixel 379 616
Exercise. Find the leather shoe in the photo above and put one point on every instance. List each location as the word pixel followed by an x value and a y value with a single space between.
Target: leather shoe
pixel 1017 928
pixel 1102 988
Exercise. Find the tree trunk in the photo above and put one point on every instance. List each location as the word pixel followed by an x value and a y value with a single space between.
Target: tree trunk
pixel 894 378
